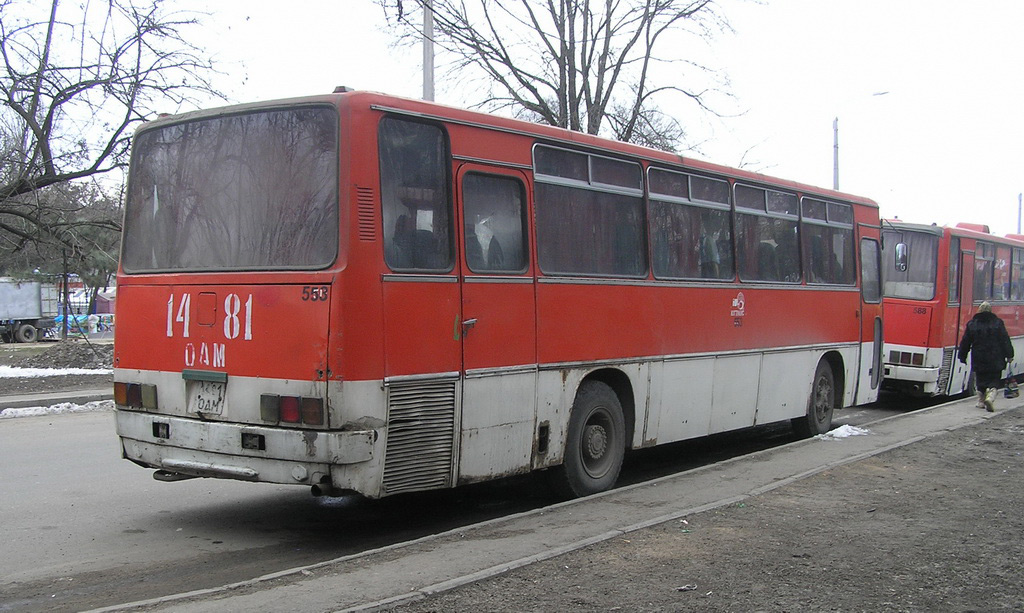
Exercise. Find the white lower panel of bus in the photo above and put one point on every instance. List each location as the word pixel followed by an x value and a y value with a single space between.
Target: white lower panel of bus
pixel 439 430
pixel 696 396
pixel 232 451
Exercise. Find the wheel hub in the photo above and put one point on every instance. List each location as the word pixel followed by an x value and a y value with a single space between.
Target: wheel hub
pixel 596 441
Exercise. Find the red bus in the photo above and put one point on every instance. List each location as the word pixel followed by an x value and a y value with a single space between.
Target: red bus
pixel 363 293
pixel 934 278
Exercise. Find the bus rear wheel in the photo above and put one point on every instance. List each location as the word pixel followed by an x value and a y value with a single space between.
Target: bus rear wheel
pixel 595 443
pixel 820 404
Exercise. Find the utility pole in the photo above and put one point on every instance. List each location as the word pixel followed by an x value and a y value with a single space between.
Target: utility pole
pixel 835 154
pixel 1019 197
pixel 64 289
pixel 835 146
pixel 428 50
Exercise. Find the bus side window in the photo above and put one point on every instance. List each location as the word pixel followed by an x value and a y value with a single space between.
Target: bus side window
pixel 414 196
pixel 494 224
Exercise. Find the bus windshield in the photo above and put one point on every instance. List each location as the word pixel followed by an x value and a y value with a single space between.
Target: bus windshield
pixel 917 282
pixel 248 191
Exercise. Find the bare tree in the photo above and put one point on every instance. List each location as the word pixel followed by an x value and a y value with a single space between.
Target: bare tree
pixel 595 66
pixel 75 78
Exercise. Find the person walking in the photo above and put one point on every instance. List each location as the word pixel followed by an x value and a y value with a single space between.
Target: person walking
pixel 989 344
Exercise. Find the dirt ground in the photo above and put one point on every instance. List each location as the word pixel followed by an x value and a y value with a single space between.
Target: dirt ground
pixel 933 526
pixel 67 354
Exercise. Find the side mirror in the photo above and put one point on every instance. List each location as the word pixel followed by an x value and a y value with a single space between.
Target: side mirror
pixel 902 256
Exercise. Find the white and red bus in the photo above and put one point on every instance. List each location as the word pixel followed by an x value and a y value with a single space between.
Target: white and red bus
pixel 934 278
pixel 362 293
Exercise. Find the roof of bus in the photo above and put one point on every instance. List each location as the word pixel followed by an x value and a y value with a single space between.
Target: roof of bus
pixel 965 230
pixel 916 227
pixel 442 112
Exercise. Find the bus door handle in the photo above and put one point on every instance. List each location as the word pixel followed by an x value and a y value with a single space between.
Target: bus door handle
pixel 467 325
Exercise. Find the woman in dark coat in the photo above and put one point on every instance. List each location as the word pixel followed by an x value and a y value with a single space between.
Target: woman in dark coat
pixel 991 350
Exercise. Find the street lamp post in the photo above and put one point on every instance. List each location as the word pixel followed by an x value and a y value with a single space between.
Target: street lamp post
pixel 428 51
pixel 835 154
pixel 835 146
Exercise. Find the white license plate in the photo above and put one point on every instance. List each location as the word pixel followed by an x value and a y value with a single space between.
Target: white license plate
pixel 206 397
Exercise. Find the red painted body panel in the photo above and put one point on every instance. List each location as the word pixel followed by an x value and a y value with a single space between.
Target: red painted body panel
pixel 391 328
pixel 652 321
pixel 910 322
pixel 249 330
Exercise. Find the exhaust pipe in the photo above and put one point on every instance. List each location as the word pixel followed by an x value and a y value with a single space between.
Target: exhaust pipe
pixel 326 489
pixel 168 476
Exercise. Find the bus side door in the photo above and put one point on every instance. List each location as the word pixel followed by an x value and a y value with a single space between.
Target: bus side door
pixel 961 314
pixel 499 345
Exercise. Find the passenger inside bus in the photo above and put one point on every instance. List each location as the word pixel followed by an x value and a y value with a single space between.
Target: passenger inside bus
pixel 478 256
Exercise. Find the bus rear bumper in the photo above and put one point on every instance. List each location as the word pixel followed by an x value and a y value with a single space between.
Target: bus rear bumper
pixel 912 373
pixel 238 451
pixel 919 379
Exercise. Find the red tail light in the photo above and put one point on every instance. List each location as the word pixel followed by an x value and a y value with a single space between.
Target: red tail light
pixel 290 410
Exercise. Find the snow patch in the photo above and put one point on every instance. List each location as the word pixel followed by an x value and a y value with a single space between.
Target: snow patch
pixel 19 372
pixel 58 409
pixel 844 432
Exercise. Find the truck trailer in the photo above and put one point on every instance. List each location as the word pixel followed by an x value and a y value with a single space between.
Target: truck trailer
pixel 27 309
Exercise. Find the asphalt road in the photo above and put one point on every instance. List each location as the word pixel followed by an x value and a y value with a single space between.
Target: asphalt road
pixel 84 529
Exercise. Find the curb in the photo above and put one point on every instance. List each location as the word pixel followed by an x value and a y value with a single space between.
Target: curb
pixel 49 399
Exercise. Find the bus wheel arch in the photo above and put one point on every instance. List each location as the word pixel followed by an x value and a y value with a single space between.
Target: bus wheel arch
pixel 623 388
pixel 596 437
pixel 826 394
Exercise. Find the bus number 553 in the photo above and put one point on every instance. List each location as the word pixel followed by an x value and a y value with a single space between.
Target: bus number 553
pixel 314 293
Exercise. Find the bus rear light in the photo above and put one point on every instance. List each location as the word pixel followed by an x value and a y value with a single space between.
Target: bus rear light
pixel 290 412
pixel 270 407
pixel 906 358
pixel 149 397
pixel 292 409
pixel 312 411
pixel 135 395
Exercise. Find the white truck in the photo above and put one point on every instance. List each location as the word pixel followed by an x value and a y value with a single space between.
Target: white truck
pixel 27 308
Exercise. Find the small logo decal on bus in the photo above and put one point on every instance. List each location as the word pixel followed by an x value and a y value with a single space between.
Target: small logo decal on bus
pixel 738 306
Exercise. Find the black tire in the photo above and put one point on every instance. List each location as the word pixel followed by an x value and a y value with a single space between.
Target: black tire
pixel 26 333
pixel 595 443
pixel 820 404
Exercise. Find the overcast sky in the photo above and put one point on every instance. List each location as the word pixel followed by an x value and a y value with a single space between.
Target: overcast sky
pixel 944 144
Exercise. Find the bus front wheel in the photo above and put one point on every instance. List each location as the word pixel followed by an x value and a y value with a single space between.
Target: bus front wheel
pixel 820 404
pixel 595 443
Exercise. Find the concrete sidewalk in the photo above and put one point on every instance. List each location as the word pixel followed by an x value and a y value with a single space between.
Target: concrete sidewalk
pixel 433 564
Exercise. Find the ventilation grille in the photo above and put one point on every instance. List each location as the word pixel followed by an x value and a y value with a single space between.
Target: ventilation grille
pixel 946 370
pixel 366 209
pixel 421 436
